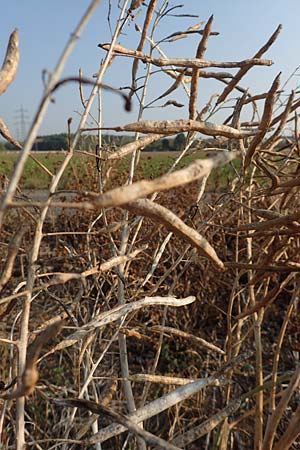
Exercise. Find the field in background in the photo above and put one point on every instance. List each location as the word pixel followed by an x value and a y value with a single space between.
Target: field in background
pixel 83 170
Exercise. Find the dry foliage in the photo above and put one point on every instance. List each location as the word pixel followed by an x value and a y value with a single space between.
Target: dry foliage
pixel 187 288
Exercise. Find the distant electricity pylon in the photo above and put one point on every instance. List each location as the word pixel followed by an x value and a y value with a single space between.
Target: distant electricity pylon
pixel 21 121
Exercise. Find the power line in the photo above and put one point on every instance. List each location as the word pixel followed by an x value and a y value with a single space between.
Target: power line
pixel 21 123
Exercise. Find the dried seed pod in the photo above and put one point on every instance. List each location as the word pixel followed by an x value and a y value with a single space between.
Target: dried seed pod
pixel 11 61
pixel 31 375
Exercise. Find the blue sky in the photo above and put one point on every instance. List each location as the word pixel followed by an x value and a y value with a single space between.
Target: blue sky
pixel 44 28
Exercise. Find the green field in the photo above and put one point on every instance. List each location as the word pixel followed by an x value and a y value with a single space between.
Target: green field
pixel 82 171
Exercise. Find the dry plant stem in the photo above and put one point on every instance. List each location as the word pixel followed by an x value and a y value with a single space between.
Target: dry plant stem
pixel 117 313
pixel 15 178
pixel 258 436
pixel 134 161
pixel 10 63
pixel 100 409
pixel 291 434
pixel 196 170
pixel 192 63
pixel 156 259
pixel 4 131
pixel 89 376
pixel 20 438
pixel 171 399
pixel 269 298
pixel 160 214
pixel 195 72
pixel 280 410
pixel 12 252
pixel 148 18
pixel 207 426
pixel 245 69
pixel 64 277
pixel 285 115
pixel 277 355
pixel 58 176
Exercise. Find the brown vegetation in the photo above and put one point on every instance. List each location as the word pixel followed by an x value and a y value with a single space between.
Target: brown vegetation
pixel 177 313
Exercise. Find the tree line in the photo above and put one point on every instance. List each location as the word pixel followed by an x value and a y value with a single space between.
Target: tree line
pixel 61 141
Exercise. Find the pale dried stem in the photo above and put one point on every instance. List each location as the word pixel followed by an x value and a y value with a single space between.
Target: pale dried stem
pixel 272 139
pixel 281 336
pixel 291 433
pixel 15 178
pixel 280 410
pixel 117 313
pixel 257 320
pixel 161 404
pixel 148 18
pixel 207 426
pixel 192 63
pixel 125 421
pixel 12 252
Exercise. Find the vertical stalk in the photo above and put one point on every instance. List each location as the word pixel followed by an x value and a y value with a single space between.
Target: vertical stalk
pixel 257 320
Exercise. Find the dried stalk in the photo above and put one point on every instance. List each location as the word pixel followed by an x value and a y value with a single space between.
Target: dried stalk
pixel 100 409
pixel 280 410
pixel 4 131
pixel 22 346
pixel 192 63
pixel 207 426
pixel 291 433
pixel 148 18
pixel 15 178
pixel 161 404
pixel 12 252
pixel 117 313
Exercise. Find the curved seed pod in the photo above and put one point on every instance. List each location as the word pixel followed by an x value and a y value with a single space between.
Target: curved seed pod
pixel 4 132
pixel 30 375
pixel 11 61
pixel 160 214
